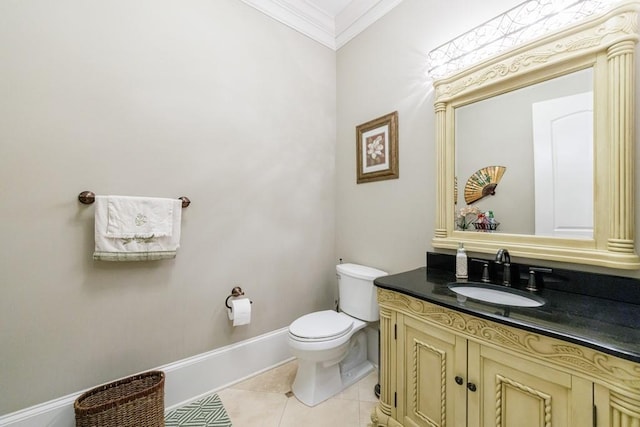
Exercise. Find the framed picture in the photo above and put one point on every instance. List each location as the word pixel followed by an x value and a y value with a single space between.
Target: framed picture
pixel 377 149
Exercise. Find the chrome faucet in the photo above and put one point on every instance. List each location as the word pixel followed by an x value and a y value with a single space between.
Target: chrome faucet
pixel 503 258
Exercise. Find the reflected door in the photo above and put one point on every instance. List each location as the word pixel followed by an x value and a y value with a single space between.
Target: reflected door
pixel 563 166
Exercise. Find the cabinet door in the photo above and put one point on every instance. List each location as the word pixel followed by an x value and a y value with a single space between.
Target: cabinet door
pixel 429 362
pixel 516 392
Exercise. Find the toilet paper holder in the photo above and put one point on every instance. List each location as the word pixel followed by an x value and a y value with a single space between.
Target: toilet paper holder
pixel 235 292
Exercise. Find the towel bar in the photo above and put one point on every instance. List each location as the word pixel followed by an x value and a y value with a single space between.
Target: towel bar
pixel 88 197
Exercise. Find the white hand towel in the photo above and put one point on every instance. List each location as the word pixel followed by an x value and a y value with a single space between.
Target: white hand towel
pixel 143 246
pixel 139 216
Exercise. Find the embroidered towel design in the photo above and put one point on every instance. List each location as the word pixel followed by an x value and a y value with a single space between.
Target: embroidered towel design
pixel 139 217
pixel 136 228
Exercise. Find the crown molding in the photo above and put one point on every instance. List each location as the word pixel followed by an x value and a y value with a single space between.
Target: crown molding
pixel 358 15
pixel 301 16
pixel 334 32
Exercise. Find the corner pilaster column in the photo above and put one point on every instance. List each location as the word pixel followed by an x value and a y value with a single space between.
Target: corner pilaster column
pixel 441 170
pixel 621 103
pixel 386 331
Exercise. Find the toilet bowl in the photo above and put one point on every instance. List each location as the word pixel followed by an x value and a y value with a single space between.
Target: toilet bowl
pixel 331 346
pixel 321 341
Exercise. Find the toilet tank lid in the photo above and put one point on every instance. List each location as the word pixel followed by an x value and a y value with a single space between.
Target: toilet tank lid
pixel 360 271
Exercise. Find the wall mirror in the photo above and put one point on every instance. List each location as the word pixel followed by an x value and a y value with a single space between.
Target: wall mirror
pixel 558 114
pixel 542 135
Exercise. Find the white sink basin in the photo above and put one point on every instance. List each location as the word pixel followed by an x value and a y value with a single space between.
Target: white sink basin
pixel 495 294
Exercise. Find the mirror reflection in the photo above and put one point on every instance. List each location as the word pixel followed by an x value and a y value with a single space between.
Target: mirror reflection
pixel 543 136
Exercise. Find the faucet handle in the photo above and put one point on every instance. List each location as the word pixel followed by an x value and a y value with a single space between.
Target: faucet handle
pixel 485 269
pixel 533 279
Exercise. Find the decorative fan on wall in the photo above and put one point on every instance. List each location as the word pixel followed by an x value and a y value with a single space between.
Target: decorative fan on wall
pixel 483 183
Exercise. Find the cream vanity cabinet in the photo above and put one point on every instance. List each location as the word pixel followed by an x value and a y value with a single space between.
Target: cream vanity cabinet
pixel 441 367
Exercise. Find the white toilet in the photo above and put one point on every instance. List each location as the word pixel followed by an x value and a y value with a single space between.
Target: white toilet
pixel 331 346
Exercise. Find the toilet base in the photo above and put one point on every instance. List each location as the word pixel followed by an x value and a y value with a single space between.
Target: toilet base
pixel 316 382
pixel 356 374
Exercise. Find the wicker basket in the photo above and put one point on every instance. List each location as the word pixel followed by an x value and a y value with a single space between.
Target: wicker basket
pixel 137 401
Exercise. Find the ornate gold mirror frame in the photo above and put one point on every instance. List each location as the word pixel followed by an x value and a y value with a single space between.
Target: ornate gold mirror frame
pixel 606 43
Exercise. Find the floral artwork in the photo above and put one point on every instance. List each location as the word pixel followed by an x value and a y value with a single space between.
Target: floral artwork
pixel 377 149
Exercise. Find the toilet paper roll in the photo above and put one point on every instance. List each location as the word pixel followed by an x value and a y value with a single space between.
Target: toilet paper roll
pixel 240 311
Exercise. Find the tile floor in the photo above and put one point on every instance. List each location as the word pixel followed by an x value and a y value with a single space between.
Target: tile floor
pixel 261 401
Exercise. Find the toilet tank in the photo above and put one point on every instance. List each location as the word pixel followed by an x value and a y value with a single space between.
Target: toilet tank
pixel 357 291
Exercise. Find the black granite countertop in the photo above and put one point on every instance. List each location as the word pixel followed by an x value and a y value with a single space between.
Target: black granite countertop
pixel 607 325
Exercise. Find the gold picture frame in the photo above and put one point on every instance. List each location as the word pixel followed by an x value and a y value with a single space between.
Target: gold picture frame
pixel 377 149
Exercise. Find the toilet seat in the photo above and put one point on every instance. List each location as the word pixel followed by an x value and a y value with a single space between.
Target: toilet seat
pixel 321 326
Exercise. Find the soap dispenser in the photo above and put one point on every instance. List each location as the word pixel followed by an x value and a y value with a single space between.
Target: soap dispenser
pixel 461 263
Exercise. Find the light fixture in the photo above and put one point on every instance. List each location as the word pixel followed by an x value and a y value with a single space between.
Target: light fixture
pixel 523 23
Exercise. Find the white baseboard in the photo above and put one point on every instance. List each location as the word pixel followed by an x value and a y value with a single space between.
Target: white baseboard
pixel 185 379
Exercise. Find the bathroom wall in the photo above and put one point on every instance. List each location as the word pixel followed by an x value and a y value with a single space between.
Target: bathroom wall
pixel 208 99
pixel 389 224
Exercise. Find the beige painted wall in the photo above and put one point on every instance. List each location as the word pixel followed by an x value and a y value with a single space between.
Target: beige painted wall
pixel 208 99
pixel 389 224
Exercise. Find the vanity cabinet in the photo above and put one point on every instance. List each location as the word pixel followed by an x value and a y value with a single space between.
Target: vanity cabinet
pixel 442 367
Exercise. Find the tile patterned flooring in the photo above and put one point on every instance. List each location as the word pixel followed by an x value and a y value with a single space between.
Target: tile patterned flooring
pixel 262 401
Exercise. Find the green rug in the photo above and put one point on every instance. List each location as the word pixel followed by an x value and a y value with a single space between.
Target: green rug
pixel 206 412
